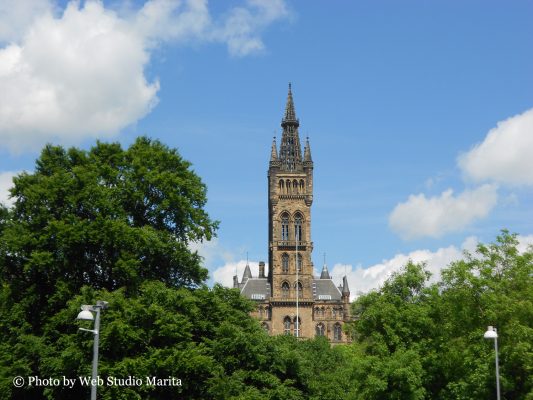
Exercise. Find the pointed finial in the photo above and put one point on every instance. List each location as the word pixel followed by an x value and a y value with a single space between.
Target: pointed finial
pixel 274 151
pixel 307 150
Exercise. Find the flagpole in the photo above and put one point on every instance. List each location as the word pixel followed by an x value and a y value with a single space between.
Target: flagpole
pixel 297 285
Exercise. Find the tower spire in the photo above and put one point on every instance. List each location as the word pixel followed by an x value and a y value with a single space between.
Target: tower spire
pixel 290 114
pixel 290 151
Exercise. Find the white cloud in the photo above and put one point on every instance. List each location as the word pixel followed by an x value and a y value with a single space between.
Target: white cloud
pixel 75 77
pixel 6 182
pixel 211 251
pixel 239 30
pixel 81 75
pixel 362 280
pixel 505 154
pixel 215 254
pixel 524 243
pixel 420 216
pixel 17 15
pixel 224 275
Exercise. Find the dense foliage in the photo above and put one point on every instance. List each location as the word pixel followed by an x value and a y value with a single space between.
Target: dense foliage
pixel 114 225
pixel 421 341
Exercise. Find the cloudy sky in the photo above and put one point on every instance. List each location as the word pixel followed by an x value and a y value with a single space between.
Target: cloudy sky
pixel 419 114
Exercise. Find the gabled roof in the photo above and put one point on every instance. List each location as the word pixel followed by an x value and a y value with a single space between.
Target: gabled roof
pixel 256 289
pixel 325 289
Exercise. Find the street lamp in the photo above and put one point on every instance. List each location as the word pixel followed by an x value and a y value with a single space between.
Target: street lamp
pixel 492 334
pixel 86 314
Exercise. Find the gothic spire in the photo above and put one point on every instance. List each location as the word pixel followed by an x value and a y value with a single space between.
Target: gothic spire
pixel 290 114
pixel 290 152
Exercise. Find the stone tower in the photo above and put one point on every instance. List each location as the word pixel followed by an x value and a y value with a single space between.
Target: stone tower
pixel 290 299
pixel 290 195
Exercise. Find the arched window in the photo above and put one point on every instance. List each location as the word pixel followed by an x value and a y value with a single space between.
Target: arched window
pixel 297 326
pixel 337 332
pixel 285 263
pixel 285 226
pixel 285 289
pixel 287 326
pixel 302 186
pixel 281 186
pixel 319 331
pixel 299 289
pixel 298 227
pixel 299 262
pixel 288 184
pixel 295 186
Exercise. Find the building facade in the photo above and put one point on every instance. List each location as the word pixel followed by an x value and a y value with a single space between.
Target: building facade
pixel 290 299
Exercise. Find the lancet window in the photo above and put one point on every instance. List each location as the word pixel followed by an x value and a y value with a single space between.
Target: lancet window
pixel 298 227
pixel 285 263
pixel 285 227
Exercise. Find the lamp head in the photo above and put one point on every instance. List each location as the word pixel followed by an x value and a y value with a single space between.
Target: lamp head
pixel 491 333
pixel 85 314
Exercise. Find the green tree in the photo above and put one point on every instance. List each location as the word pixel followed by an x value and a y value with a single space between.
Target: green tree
pixel 394 330
pixel 108 218
pixel 417 340
pixel 493 286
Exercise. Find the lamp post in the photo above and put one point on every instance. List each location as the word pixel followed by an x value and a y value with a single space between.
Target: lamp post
pixel 86 314
pixel 493 334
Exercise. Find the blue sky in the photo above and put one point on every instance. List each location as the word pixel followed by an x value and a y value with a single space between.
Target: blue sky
pixel 393 95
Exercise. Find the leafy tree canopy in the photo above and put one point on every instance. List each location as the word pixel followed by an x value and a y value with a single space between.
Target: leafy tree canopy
pixel 107 218
pixel 418 340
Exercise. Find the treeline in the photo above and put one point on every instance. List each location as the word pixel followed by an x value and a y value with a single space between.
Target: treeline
pixel 114 224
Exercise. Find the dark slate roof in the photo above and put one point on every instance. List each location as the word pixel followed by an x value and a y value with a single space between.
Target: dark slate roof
pixel 256 289
pixel 324 289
